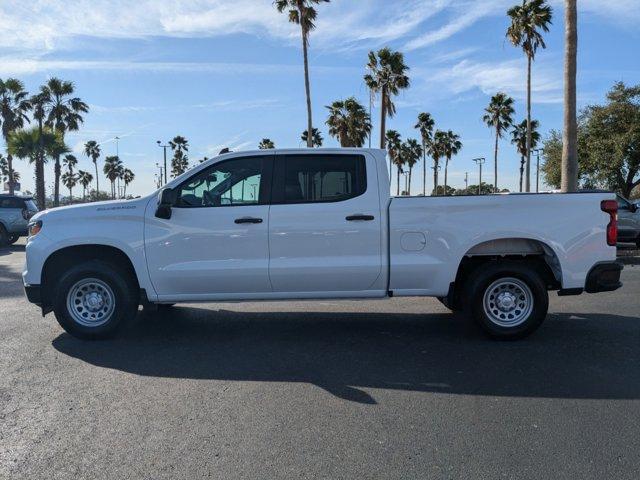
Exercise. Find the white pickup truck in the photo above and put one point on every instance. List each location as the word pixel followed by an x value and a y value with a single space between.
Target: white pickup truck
pixel 316 224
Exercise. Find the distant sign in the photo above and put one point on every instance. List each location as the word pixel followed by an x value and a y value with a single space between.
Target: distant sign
pixel 16 186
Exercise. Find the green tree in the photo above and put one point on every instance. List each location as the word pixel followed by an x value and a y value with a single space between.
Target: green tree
pixel 387 75
pixel 411 151
pixel 36 146
pixel 180 160
pixel 450 147
pixel 608 144
pixel 69 180
pixel 92 150
pixel 528 20
pixel 437 151
pixel 14 105
pixel 316 137
pixel 64 114
pixel 85 179
pixel 303 13
pixel 394 150
pixel 499 116
pixel 112 169
pixel 349 122
pixel 127 177
pixel 40 103
pixel 425 127
pixel 519 139
pixel 266 143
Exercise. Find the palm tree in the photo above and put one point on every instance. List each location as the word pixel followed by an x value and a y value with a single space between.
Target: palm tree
pixel 64 114
pixel 527 22
pixel 349 122
pixel 394 150
pixel 180 160
pixel 411 151
pixel 388 75
pixel 302 12
pixel 437 150
pixel 85 179
pixel 127 177
pixel 499 116
pixel 92 150
pixel 266 143
pixel 112 169
pixel 14 106
pixel 70 161
pixel 40 102
pixel 519 139
pixel 451 147
pixel 35 146
pixel 69 180
pixel 425 127
pixel 316 137
pixel 569 177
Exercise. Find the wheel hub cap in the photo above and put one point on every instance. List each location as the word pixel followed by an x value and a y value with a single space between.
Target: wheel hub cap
pixel 508 302
pixel 91 302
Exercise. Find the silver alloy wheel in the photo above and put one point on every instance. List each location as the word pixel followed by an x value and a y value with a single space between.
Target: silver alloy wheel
pixel 508 302
pixel 91 302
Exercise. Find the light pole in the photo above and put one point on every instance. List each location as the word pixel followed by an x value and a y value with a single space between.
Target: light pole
pixel 537 152
pixel 164 148
pixel 117 139
pixel 159 167
pixel 466 180
pixel 479 161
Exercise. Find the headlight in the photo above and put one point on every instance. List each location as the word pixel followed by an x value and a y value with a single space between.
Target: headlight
pixel 35 227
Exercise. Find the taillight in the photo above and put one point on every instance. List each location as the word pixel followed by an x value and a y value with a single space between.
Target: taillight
pixel 611 207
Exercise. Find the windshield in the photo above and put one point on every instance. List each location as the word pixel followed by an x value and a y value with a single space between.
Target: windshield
pixel 31 205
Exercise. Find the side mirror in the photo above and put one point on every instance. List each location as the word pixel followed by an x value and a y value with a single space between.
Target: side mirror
pixel 165 202
pixel 633 207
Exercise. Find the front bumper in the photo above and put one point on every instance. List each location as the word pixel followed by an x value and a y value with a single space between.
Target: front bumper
pixel 604 277
pixel 34 294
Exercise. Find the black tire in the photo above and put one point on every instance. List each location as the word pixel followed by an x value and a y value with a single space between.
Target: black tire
pixel 507 278
pixel 13 239
pixel 4 237
pixel 123 289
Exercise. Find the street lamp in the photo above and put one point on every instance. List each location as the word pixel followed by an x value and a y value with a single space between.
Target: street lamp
pixel 479 161
pixel 537 152
pixel 164 148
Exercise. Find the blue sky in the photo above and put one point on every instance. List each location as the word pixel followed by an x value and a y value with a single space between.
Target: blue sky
pixel 228 73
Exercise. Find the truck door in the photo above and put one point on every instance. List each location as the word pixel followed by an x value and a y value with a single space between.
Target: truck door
pixel 325 225
pixel 216 241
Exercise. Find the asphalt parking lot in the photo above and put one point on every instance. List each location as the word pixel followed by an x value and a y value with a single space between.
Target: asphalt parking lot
pixel 376 389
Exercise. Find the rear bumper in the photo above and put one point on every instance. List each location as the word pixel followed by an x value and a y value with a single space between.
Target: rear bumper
pixel 34 294
pixel 604 277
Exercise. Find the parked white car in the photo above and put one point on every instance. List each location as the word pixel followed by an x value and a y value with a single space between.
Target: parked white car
pixel 315 224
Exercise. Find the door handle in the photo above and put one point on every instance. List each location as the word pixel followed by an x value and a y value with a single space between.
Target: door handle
pixel 352 218
pixel 248 220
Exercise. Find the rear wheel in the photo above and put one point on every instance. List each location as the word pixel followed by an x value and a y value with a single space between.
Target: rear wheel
pixel 509 300
pixel 13 239
pixel 94 299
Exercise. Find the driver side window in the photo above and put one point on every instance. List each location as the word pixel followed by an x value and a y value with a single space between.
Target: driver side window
pixel 229 183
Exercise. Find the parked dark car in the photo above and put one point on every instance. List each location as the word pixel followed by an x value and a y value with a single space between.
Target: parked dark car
pixel 628 221
pixel 15 212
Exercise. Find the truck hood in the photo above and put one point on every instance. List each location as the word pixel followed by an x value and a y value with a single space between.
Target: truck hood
pixel 85 211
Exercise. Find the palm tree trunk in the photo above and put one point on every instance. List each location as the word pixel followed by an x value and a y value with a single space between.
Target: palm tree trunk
pixel 446 170
pixel 10 179
pixel 307 86
pixel 398 191
pixel 569 179
pixel 522 160
pixel 409 183
pixel 40 193
pixel 424 170
pixel 56 184
pixel 383 118
pixel 95 163
pixel 435 176
pixel 528 170
pixel 495 164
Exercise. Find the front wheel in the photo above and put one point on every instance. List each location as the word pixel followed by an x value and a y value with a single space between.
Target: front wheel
pixel 94 299
pixel 13 239
pixel 508 300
